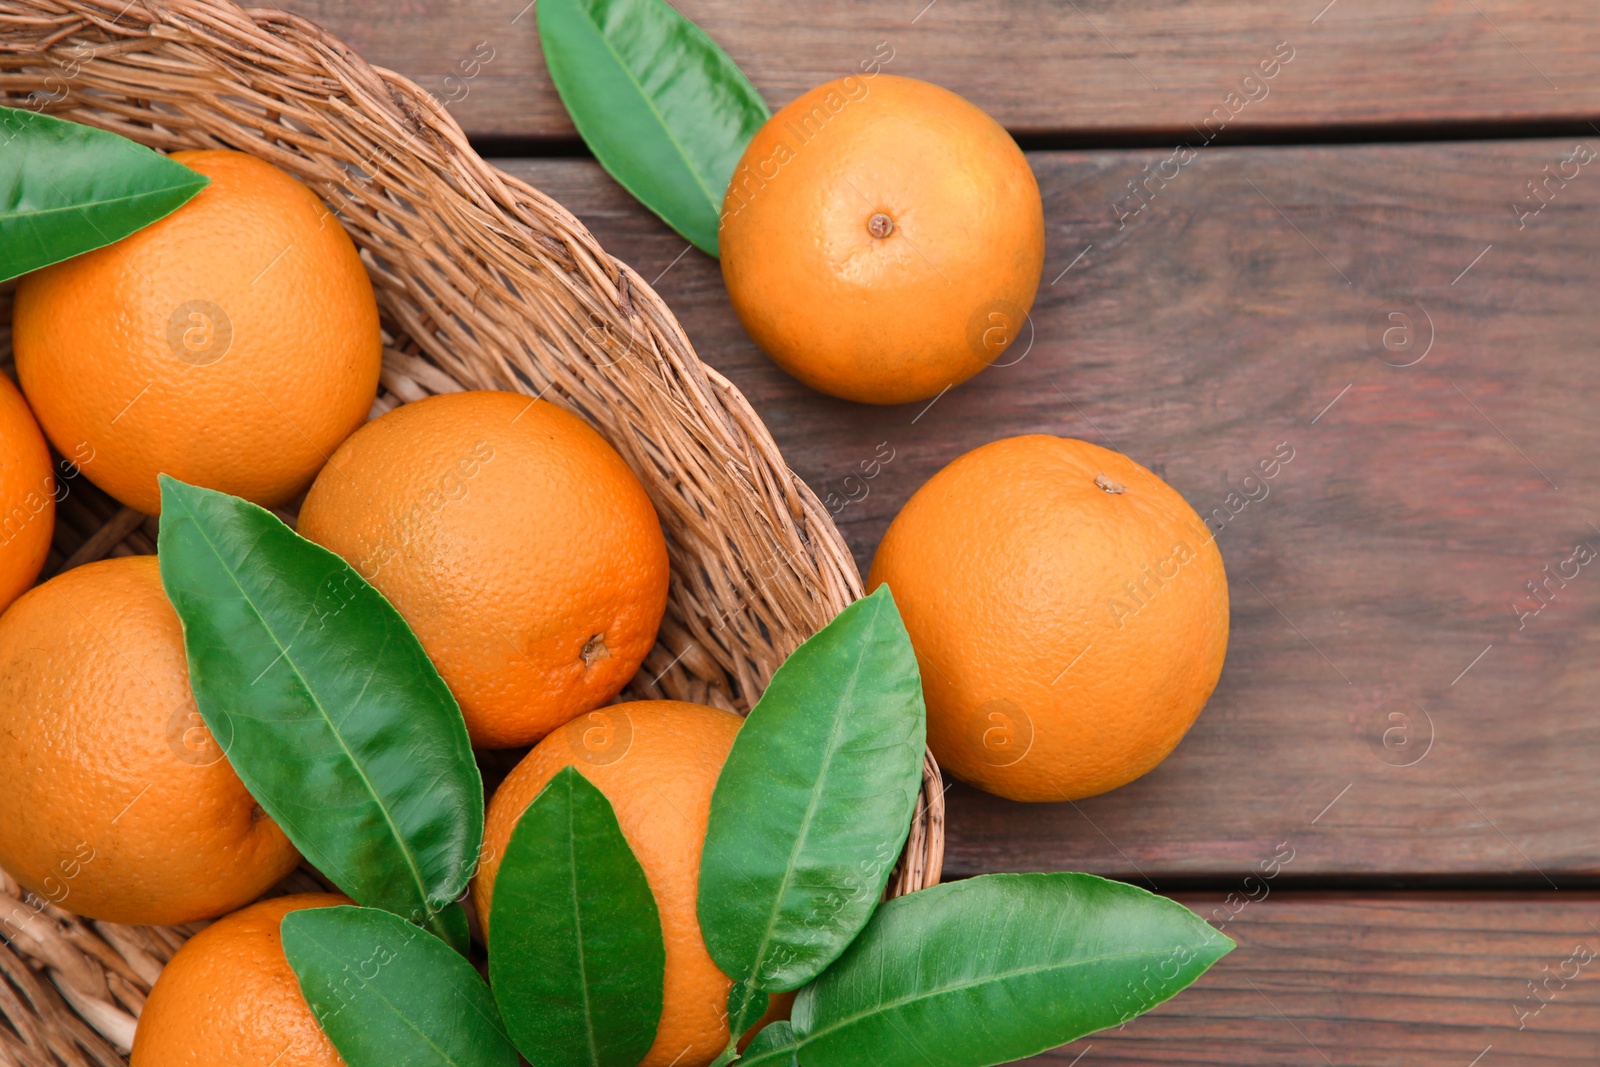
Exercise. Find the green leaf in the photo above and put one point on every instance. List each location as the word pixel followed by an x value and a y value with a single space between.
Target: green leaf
pixel 664 110
pixel 387 993
pixel 325 704
pixel 576 956
pixel 774 1046
pixel 999 967
pixel 452 927
pixel 813 805
pixel 66 188
pixel 746 1006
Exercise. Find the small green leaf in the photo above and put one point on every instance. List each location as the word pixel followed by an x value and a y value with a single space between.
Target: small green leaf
pixel 325 704
pixel 774 1046
pixel 386 993
pixel 999 967
pixel 576 956
pixel 813 805
pixel 66 188
pixel 746 1006
pixel 664 110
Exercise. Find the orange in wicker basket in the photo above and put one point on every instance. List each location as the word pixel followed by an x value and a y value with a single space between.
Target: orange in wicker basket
pixel 107 810
pixel 27 496
pixel 483 283
pixel 231 997
pixel 662 797
pixel 233 343
pixel 488 518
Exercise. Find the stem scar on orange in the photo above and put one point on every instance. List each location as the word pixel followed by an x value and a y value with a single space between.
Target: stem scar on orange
pixel 1069 611
pixel 882 239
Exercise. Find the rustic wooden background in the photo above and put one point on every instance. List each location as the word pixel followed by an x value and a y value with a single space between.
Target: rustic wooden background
pixel 1393 714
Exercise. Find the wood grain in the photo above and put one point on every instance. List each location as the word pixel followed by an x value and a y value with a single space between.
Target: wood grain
pixel 1392 981
pixel 1377 578
pixel 1092 67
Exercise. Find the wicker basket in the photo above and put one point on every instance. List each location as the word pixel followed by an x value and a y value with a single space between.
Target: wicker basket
pixel 483 283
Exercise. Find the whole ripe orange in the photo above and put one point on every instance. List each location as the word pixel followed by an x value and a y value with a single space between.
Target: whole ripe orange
pixel 233 344
pixel 882 239
pixel 117 803
pixel 515 541
pixel 27 495
pixel 657 761
pixel 229 998
pixel 1069 611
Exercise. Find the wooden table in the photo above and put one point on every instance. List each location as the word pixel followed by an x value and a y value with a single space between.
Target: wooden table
pixel 1384 256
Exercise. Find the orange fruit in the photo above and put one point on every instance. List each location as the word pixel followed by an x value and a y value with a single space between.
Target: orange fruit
pixel 514 540
pixel 27 495
pixel 228 998
pixel 118 804
pixel 882 239
pixel 233 344
pixel 657 761
pixel 1069 611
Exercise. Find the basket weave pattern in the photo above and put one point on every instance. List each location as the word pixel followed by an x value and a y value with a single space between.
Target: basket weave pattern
pixel 483 282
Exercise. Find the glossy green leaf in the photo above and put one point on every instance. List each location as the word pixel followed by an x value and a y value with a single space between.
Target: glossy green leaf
pixel 814 802
pixel 325 704
pixel 452 927
pixel 664 110
pixel 774 1046
pixel 576 956
pixel 66 188
pixel 999 967
pixel 746 1006
pixel 387 993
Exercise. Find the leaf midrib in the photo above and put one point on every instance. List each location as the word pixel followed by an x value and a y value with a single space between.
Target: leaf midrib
pixel 884 1008
pixel 394 1009
pixel 17 215
pixel 577 921
pixel 804 835
pixel 316 702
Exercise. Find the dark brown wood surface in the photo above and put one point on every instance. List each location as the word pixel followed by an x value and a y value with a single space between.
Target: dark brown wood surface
pixel 1388 981
pixel 1082 67
pixel 1379 575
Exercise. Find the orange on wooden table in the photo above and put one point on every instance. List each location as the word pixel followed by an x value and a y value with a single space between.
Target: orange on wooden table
pixel 882 239
pixel 118 802
pixel 1069 611
pixel 233 344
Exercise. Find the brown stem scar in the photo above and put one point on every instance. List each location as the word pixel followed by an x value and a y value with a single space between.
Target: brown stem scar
pixel 595 650
pixel 880 225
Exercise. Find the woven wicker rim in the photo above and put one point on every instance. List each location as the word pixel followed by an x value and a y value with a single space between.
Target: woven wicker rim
pixel 483 282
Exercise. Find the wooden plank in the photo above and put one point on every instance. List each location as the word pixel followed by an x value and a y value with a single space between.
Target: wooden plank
pixel 1379 982
pixel 1378 577
pixel 1095 67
